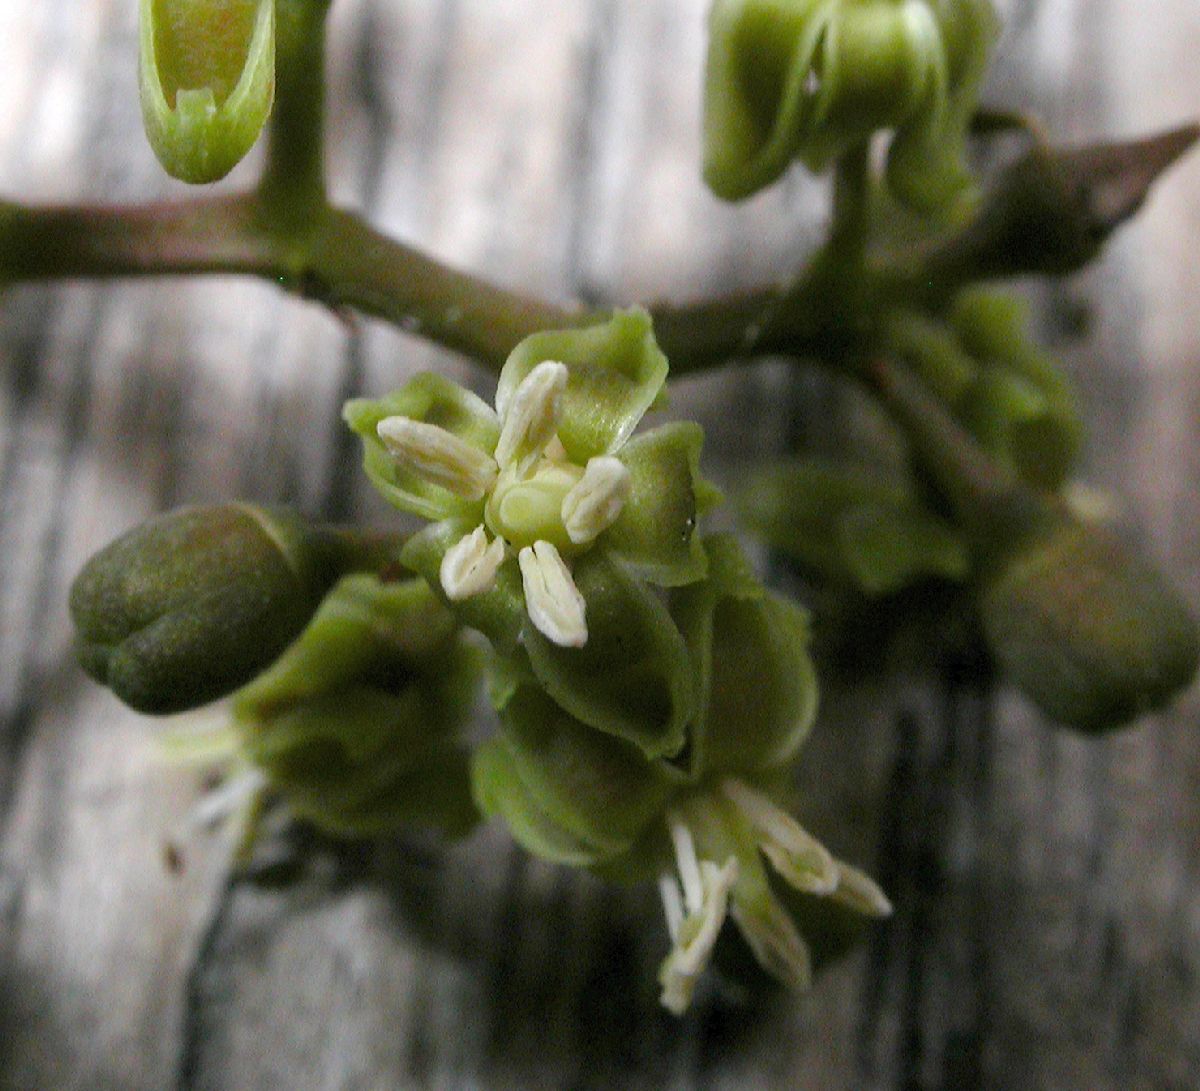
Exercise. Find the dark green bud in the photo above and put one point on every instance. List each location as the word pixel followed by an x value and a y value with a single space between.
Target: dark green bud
pixel 1091 632
pixel 191 605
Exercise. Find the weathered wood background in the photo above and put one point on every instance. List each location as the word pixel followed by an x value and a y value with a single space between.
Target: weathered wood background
pixel 1047 932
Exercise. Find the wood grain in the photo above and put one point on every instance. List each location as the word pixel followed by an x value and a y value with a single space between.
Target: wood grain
pixel 1047 932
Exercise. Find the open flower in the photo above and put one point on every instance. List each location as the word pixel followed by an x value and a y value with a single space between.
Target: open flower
pixel 552 522
pixel 704 824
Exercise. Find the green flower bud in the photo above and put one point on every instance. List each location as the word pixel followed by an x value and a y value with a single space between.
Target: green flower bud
pixel 756 685
pixel 188 606
pixel 359 724
pixel 1011 395
pixel 811 79
pixel 851 526
pixel 207 81
pixel 1090 631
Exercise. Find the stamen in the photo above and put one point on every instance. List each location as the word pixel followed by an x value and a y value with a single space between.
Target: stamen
pixel 668 890
pixel 697 935
pixel 593 505
pixel 555 605
pixel 439 456
pixel 860 892
pixel 798 856
pixel 470 565
pixel 685 859
pixel 777 945
pixel 531 416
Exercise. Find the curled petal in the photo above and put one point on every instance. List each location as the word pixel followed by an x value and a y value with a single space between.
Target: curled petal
pixel 531 415
pixel 594 504
pixel 470 565
pixel 555 605
pixel 439 456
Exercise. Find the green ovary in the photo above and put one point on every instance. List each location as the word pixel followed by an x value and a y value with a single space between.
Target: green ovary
pixel 528 511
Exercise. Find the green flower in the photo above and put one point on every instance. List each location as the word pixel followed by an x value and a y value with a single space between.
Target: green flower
pixel 851 525
pixel 702 824
pixel 359 725
pixel 207 81
pixel 554 524
pixel 810 79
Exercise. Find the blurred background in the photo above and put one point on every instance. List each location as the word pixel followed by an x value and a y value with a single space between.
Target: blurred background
pixel 1047 932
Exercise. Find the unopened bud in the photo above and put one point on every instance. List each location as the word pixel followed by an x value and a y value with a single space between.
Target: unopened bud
pixel 189 606
pixel 1092 633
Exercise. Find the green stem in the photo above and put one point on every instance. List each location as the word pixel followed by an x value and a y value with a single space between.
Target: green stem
pixel 851 209
pixel 351 549
pixel 293 181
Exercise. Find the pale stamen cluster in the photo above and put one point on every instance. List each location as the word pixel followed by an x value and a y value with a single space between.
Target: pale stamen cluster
pixel 528 455
pixel 711 892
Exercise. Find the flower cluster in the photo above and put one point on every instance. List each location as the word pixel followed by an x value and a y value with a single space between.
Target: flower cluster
pixel 809 79
pixel 652 695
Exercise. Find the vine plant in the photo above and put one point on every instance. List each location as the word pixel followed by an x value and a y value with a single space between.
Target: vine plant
pixel 652 694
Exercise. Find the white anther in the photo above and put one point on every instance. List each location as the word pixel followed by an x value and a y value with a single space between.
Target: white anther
pixel 555 605
pixel 594 504
pixel 470 565
pixel 860 892
pixel 798 856
pixel 531 416
pixel 668 890
pixel 439 456
pixel 686 862
pixel 696 935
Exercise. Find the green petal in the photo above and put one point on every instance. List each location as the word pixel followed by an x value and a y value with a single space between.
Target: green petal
pixel 500 792
pixel 364 712
pixel 757 685
pixel 926 167
pixel 850 525
pixel 760 53
pixel 499 613
pixel 597 787
pixel 207 77
pixel 877 69
pixel 655 533
pixel 615 373
pixel 431 399
pixel 633 677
